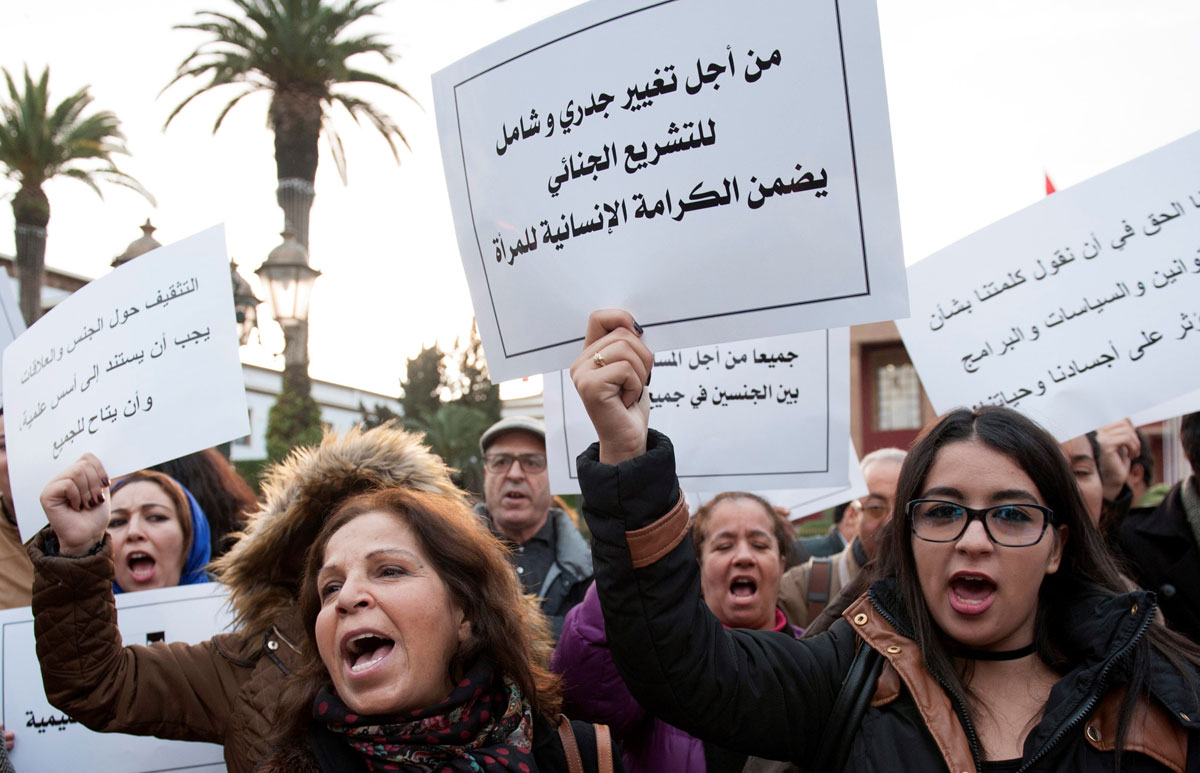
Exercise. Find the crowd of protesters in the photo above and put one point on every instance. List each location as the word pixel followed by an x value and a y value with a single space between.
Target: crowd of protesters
pixel 997 601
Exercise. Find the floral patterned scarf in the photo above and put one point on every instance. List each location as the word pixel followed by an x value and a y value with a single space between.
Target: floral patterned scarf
pixel 485 724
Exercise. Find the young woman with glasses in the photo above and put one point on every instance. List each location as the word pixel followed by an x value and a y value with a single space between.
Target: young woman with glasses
pixel 994 635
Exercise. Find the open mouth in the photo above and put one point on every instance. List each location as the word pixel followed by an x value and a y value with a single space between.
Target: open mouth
pixel 971 594
pixel 365 650
pixel 141 566
pixel 514 496
pixel 743 588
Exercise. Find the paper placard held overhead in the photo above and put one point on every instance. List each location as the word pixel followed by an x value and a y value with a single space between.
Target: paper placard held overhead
pixel 48 739
pixel 12 324
pixel 771 413
pixel 1179 406
pixel 721 170
pixel 137 367
pixel 1079 310
pixel 803 501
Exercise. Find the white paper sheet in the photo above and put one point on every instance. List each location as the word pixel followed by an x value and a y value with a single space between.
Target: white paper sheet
pixel 722 170
pixel 770 413
pixel 137 367
pixel 48 739
pixel 1079 310
pixel 12 324
pixel 1179 406
pixel 802 502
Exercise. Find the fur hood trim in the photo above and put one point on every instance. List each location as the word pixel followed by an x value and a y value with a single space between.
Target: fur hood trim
pixel 263 567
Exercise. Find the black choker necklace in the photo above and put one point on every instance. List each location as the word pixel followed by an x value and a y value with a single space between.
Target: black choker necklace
pixel 970 654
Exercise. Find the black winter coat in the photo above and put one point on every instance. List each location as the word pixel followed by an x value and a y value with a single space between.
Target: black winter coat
pixel 1163 557
pixel 770 695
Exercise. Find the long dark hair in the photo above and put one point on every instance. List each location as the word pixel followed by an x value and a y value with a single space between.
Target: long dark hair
pixel 223 495
pixel 1087 567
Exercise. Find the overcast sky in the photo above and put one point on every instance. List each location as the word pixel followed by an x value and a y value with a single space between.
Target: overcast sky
pixel 983 97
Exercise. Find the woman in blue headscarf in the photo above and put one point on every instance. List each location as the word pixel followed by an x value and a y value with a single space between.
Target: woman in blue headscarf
pixel 159 533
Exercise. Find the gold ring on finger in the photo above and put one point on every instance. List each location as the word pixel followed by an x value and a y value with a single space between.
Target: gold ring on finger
pixel 598 358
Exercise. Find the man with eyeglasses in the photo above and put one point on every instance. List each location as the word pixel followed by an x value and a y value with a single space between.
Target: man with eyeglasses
pixel 806 589
pixel 551 558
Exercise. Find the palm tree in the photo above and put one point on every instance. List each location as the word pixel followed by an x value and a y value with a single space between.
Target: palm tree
pixel 37 144
pixel 298 51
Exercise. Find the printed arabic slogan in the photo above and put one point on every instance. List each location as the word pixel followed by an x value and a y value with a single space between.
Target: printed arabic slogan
pixel 48 739
pixel 759 415
pixel 1079 310
pixel 137 367
pixel 804 501
pixel 722 170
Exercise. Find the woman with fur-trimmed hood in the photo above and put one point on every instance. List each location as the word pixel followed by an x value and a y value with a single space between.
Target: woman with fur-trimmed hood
pixel 225 690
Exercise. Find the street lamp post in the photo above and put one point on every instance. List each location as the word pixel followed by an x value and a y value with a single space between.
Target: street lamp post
pixel 245 305
pixel 289 280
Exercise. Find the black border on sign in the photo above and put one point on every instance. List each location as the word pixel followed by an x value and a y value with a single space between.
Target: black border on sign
pixel 573 473
pixel 853 162
pixel 4 637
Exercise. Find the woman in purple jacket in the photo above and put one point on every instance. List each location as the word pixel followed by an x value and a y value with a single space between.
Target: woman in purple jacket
pixel 741 543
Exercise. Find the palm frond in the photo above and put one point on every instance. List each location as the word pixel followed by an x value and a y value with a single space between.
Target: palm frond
pixel 38 142
pixel 337 149
pixel 290 47
pixel 225 111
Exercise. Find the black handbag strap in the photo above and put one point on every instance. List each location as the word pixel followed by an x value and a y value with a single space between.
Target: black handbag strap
pixel 848 710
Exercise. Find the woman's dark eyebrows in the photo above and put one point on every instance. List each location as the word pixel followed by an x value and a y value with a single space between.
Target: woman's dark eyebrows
pixel 943 491
pixel 1014 493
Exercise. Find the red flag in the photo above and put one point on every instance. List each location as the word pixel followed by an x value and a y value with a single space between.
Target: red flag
pixel 1049 185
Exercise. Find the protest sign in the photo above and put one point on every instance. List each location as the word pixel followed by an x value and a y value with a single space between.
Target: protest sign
pixel 137 367
pixel 805 501
pixel 48 739
pixel 12 324
pixel 1079 310
pixel 1184 404
pixel 623 151
pixel 770 413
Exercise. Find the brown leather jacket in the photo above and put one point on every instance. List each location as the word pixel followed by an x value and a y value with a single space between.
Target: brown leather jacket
pixel 224 690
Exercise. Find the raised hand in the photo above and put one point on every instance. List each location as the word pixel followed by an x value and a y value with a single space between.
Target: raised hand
pixel 76 504
pixel 610 375
pixel 1119 444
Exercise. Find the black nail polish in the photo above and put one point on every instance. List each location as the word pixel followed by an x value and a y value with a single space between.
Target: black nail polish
pixel 102 497
pixel 648 377
pixel 637 328
pixel 105 482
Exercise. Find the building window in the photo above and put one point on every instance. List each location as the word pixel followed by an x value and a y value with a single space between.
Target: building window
pixel 897 403
pixel 245 441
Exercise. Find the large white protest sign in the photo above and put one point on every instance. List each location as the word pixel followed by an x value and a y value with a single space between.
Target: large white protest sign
pixel 770 413
pixel 48 739
pixel 1185 403
pixel 12 324
pixel 721 170
pixel 1079 310
pixel 137 367
pixel 805 501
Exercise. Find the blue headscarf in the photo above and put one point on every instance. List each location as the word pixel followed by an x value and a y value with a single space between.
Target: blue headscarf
pixel 200 552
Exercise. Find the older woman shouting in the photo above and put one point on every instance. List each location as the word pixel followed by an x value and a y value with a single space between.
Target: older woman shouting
pixel 419 651
pixel 406 636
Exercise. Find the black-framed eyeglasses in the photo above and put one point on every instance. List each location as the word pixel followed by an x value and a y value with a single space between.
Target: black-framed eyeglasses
pixel 1014 526
pixel 497 463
